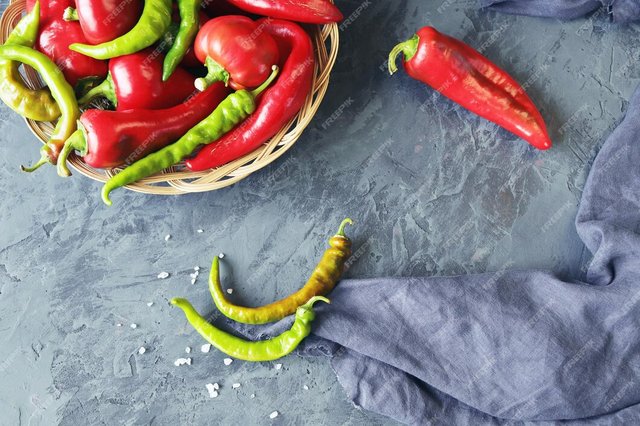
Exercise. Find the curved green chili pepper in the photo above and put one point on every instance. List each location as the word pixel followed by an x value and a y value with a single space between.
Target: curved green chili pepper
pixel 37 104
pixel 265 350
pixel 189 23
pixel 322 280
pixel 233 110
pixel 154 22
pixel 62 92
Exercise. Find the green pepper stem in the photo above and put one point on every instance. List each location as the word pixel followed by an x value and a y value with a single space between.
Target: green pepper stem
pixel 408 48
pixel 215 72
pixel 104 89
pixel 44 159
pixel 344 223
pixel 76 142
pixel 70 14
pixel 258 90
pixel 315 299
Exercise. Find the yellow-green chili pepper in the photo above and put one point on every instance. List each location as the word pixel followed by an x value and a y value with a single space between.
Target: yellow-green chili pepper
pixel 189 23
pixel 265 350
pixel 322 280
pixel 37 104
pixel 233 110
pixel 62 92
pixel 153 23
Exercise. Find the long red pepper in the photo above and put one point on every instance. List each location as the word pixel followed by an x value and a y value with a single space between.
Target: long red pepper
pixel 135 82
pixel 56 35
pixel 471 80
pixel 107 139
pixel 278 104
pixel 105 20
pixel 307 11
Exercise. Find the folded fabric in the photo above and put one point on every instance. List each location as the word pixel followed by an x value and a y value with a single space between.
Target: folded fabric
pixel 621 11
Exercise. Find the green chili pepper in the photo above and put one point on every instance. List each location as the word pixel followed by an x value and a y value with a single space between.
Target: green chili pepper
pixel 233 110
pixel 265 350
pixel 153 23
pixel 62 92
pixel 38 104
pixel 186 34
pixel 322 280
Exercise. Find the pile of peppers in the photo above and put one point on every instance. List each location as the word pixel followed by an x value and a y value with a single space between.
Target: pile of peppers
pixel 143 85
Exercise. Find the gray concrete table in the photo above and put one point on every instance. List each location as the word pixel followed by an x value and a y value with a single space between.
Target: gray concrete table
pixel 72 269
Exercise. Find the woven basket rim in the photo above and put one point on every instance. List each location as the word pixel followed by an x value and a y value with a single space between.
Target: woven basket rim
pixel 178 180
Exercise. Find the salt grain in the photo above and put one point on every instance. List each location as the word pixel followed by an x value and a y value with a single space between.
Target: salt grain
pixel 182 361
pixel 118 325
pixel 235 385
pixel 221 255
pixel 200 231
pixel 196 268
pixel 230 290
pixel 205 348
pixel 253 395
pixel 141 350
pixel 211 388
pixel 278 366
pixel 167 237
pixel 134 326
pixel 149 304
pixel 305 387
pixel 163 275
pixel 193 281
pixel 187 350
pixel 227 361
pixel 273 415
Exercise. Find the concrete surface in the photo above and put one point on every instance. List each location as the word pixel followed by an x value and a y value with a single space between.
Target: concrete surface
pixel 71 268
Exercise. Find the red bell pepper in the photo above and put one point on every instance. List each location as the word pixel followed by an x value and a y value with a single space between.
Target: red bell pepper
pixel 308 11
pixel 54 39
pixel 278 104
pixel 235 50
pixel 105 20
pixel 107 139
pixel 135 82
pixel 468 78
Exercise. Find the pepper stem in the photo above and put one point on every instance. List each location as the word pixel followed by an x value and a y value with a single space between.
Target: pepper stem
pixel 215 72
pixel 46 156
pixel 104 89
pixel 70 14
pixel 75 142
pixel 408 48
pixel 344 223
pixel 258 90
pixel 315 299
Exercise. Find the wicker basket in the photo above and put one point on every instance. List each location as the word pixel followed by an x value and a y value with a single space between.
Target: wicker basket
pixel 177 179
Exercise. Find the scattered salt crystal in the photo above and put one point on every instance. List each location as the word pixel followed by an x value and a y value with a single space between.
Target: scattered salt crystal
pixel 205 348
pixel 305 387
pixel 196 268
pixel 278 366
pixel 211 388
pixel 163 275
pixel 182 361
pixel 141 350
pixel 194 275
pixel 200 231
pixel 118 325
pixel 235 385
pixel 193 281
pixel 149 304
pixel 227 361
pixel 134 325
pixel 253 395
pixel 187 350
pixel 216 386
pixel 167 237
pixel 221 255
pixel 273 415
pixel 229 290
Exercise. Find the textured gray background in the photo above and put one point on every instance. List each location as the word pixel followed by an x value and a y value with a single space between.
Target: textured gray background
pixel 434 190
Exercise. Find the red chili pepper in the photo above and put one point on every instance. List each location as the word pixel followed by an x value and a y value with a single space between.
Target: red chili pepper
pixel 107 139
pixel 235 50
pixel 54 39
pixel 135 82
pixel 278 104
pixel 471 80
pixel 308 11
pixel 105 20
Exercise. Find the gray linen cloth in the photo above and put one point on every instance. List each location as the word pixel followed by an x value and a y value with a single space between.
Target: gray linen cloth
pixel 507 346
pixel 621 10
